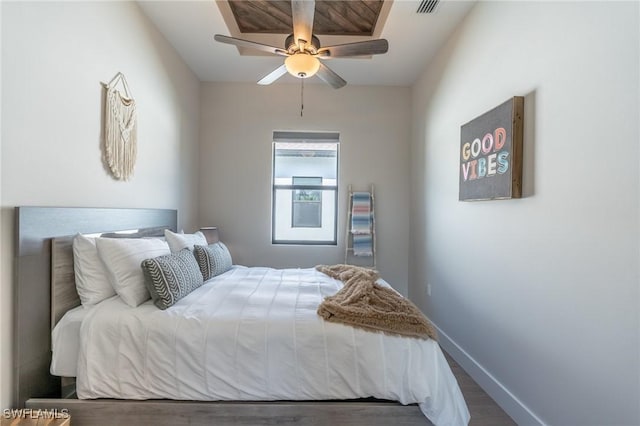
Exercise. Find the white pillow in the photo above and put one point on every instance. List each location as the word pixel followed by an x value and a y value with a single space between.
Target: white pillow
pixel 178 242
pixel 122 258
pixel 92 281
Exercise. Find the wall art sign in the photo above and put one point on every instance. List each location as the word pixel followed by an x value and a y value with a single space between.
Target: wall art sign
pixel 491 153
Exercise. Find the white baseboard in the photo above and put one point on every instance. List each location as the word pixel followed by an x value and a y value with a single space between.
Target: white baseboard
pixel 496 390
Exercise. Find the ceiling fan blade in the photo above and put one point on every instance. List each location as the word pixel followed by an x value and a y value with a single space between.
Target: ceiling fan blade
pixel 250 44
pixel 361 48
pixel 302 12
pixel 273 75
pixel 328 76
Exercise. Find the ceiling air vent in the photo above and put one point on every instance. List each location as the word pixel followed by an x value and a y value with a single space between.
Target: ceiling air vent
pixel 428 6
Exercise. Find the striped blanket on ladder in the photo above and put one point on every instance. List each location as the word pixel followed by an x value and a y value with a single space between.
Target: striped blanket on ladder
pixel 361 224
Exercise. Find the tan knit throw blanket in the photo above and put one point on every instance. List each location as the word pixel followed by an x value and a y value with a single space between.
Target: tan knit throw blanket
pixel 365 304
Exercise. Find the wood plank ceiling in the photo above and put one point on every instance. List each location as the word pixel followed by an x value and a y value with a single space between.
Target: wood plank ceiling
pixel 332 17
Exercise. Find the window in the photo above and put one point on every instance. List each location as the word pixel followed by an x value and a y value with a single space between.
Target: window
pixel 305 188
pixel 306 209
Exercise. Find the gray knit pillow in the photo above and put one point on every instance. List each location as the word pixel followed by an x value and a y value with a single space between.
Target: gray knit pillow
pixel 171 277
pixel 213 259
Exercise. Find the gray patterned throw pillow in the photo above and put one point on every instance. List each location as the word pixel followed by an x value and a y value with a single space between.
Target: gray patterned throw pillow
pixel 171 277
pixel 213 259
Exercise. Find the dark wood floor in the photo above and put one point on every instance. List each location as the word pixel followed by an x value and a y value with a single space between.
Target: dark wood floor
pixel 484 411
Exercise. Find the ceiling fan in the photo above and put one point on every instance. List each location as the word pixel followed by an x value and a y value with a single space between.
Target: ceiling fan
pixel 303 51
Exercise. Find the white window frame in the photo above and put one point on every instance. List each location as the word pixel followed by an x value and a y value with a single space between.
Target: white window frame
pixel 299 137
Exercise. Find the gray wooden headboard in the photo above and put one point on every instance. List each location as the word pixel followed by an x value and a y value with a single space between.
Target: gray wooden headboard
pixel 35 228
pixel 64 295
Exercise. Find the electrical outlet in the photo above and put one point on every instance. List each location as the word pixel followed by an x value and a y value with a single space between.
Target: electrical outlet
pixel 428 289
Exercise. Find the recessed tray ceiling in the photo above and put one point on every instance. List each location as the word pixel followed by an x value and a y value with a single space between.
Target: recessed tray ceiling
pixel 332 17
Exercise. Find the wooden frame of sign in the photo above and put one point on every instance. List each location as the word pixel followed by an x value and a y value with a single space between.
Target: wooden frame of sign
pixel 491 153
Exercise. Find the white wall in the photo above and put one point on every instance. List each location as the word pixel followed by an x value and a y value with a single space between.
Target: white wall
pixel 54 56
pixel 5 298
pixel 237 125
pixel 540 294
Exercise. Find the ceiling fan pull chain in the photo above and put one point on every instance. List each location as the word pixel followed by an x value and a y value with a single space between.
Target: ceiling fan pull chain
pixel 301 96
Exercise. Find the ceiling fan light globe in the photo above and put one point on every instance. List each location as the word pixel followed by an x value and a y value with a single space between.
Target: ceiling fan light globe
pixel 302 65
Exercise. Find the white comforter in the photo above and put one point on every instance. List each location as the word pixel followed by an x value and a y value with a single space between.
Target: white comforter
pixel 253 334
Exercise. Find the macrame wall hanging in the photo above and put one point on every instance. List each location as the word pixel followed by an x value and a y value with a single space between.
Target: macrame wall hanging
pixel 120 129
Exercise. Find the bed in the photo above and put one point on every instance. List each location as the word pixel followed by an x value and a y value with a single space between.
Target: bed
pixel 250 335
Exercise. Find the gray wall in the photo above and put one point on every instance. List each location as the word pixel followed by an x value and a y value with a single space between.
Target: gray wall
pixel 537 297
pixel 237 124
pixel 54 56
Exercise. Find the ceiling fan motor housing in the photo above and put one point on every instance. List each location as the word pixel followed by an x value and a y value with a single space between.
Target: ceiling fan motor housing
pixel 291 46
